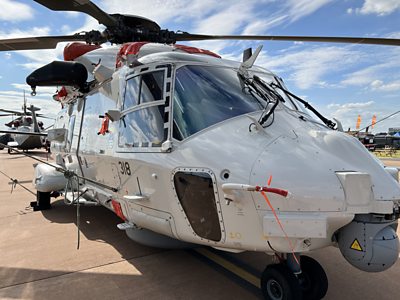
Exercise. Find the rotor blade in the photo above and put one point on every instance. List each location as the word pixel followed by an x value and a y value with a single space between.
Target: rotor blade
pixel 184 36
pixel 11 111
pixel 84 6
pixel 44 117
pixel 18 113
pixel 40 42
pixel 24 132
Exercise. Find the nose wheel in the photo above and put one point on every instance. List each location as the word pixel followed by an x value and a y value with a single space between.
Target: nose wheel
pixel 279 282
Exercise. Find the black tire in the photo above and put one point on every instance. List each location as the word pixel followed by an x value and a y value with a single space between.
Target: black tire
pixel 313 280
pixel 279 283
pixel 8 150
pixel 42 200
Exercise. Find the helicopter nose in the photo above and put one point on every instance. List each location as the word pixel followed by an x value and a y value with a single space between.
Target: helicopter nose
pixel 336 188
pixel 307 164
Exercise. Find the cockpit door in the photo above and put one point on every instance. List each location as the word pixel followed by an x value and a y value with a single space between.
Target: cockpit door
pixel 144 123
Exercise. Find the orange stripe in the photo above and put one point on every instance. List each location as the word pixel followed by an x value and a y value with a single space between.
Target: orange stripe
pixel 280 225
pixel 269 180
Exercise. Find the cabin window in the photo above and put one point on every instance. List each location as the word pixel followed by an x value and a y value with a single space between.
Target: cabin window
pixel 142 121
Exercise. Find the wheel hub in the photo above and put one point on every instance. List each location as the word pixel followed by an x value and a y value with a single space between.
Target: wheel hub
pixel 274 289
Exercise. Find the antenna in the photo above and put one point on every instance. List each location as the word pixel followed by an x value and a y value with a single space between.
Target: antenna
pixel 140 190
pixel 24 107
pixel 250 59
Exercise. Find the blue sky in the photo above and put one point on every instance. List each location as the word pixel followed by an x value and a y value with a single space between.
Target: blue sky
pixel 341 80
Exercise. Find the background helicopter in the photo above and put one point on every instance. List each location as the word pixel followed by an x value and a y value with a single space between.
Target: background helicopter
pixel 26 132
pixel 152 164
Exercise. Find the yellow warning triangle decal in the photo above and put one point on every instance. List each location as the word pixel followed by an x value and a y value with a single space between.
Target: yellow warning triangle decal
pixel 356 245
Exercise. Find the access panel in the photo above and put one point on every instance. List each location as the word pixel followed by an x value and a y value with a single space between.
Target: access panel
pixel 195 191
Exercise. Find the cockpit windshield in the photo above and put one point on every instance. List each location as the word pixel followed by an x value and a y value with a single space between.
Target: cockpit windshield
pixel 207 95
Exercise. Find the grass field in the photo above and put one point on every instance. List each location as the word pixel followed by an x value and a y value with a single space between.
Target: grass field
pixel 384 153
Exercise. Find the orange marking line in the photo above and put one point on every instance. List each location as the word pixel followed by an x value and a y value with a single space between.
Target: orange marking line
pixel 280 224
pixel 269 180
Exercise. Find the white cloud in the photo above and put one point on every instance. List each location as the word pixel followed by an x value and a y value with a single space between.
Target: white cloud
pixel 308 67
pixel 290 11
pixel 39 58
pixel 204 16
pixel 14 11
pixel 347 114
pixel 384 68
pixel 394 35
pixel 168 10
pixel 261 26
pixel 72 14
pixel 229 21
pixel 17 33
pixel 41 91
pixel 340 108
pixel 377 7
pixel 224 16
pixel 364 76
pixel 387 87
pixel 301 8
pixel 65 29
pixel 225 21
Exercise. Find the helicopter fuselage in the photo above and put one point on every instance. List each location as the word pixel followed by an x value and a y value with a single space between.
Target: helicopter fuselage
pixel 186 150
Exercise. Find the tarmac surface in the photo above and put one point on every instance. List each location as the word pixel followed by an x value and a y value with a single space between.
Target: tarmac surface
pixel 39 257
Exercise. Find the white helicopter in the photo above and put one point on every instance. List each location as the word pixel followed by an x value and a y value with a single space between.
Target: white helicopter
pixel 26 132
pixel 191 149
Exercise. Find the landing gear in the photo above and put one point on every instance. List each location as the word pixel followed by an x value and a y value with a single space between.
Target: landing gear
pixel 279 283
pixel 313 280
pixel 42 201
pixel 289 281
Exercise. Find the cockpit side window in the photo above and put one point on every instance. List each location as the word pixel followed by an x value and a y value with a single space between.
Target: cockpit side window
pixel 152 87
pixel 142 122
pixel 132 92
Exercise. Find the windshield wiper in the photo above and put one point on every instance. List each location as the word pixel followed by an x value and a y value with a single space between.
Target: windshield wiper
pixel 253 88
pixel 308 106
pixel 265 92
pixel 271 94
